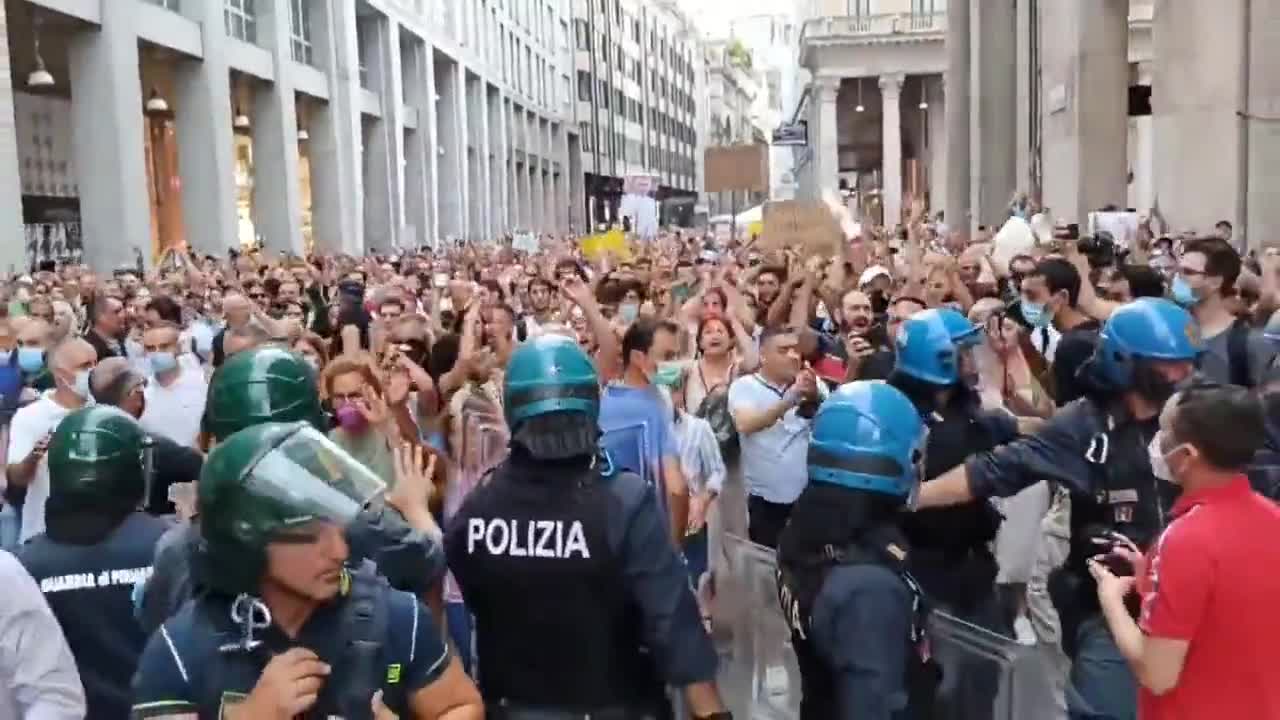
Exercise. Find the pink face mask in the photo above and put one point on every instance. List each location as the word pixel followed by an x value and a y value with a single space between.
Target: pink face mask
pixel 351 419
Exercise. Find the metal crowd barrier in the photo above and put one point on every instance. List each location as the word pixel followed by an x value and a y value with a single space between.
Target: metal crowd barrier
pixel 760 678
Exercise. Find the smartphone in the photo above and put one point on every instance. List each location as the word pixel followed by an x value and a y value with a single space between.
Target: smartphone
pixel 440 280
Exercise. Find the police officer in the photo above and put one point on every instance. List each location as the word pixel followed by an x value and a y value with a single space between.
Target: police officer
pixel 285 628
pixel 950 547
pixel 96 547
pixel 270 384
pixel 582 606
pixel 855 613
pixel 1096 448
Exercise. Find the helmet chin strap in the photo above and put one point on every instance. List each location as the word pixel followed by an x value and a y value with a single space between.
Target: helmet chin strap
pixel 251 614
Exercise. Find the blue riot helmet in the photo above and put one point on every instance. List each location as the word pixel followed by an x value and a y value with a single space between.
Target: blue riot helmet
pixel 868 436
pixel 551 399
pixel 963 333
pixel 926 351
pixel 1152 329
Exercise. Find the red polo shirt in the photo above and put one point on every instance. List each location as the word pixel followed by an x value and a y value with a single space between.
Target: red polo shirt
pixel 1214 580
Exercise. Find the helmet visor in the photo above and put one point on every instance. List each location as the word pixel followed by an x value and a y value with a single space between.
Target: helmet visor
pixel 315 478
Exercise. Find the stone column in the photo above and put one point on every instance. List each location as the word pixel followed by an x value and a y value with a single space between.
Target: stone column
pixel 1144 166
pixel 1261 216
pixel 938 147
pixel 1086 124
pixel 337 188
pixel 825 157
pixel 497 162
pixel 419 189
pixel 107 141
pixel 993 108
pixel 451 152
pixel 203 113
pixel 891 148
pixel 384 153
pixel 277 194
pixel 12 241
pixel 956 200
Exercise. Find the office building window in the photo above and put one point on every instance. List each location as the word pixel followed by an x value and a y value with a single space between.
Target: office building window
pixel 242 21
pixel 300 31
pixel 581 34
pixel 584 86
pixel 585 127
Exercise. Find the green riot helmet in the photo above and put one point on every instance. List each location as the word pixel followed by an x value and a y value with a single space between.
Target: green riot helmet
pixel 266 384
pixel 551 399
pixel 96 460
pixel 265 482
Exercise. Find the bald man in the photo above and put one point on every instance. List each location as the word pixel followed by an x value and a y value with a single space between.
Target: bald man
pixel 116 382
pixel 69 362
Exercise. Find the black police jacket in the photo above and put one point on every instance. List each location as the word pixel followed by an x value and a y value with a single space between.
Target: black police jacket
pixel 90 590
pixel 950 555
pixel 580 602
pixel 857 620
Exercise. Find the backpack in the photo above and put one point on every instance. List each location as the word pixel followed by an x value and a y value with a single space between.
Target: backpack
pixel 714 408
pixel 1238 353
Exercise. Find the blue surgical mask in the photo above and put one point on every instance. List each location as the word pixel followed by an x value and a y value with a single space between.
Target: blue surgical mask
pixel 31 360
pixel 628 311
pixel 162 362
pixel 1182 292
pixel 1035 314
pixel 81 386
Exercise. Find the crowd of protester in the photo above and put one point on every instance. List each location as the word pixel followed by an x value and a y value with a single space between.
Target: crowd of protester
pixel 741 339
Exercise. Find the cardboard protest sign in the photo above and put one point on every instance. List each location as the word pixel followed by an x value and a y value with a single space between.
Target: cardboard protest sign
pixel 737 167
pixel 807 223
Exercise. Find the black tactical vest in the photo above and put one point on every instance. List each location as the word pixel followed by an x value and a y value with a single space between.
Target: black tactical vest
pixel 554 625
pixel 959 433
pixel 222 673
pixel 1127 498
pixel 90 590
pixel 800 580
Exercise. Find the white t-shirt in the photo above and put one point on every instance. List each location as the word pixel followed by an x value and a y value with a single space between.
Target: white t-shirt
pixel 175 411
pixel 30 424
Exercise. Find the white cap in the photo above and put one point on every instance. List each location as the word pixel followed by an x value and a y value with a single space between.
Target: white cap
pixel 872 273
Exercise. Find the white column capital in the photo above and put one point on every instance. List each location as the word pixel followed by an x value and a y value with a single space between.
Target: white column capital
pixel 826 87
pixel 891 84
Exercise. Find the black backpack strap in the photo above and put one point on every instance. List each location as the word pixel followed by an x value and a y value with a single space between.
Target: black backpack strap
pixel 365 622
pixel 1238 353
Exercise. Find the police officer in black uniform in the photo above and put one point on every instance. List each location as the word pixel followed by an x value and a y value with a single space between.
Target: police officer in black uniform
pixel 1096 447
pixel 950 547
pixel 285 628
pixel 582 606
pixel 269 384
pixel 96 547
pixel 855 613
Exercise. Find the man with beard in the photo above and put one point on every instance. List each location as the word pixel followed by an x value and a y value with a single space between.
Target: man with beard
pixel 871 354
pixel 540 309
pixel 768 285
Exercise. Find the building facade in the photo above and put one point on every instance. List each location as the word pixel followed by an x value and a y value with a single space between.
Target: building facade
pixel 637 66
pixel 1167 104
pixel 733 89
pixel 334 125
pixel 772 37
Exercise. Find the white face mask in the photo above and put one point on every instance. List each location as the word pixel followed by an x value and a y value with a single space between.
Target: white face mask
pixel 1159 467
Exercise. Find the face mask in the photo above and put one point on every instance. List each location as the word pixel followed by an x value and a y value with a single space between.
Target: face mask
pixel 351 419
pixel 628 311
pixel 668 374
pixel 1036 314
pixel 1182 292
pixel 1159 467
pixel 30 359
pixel 162 362
pixel 81 386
